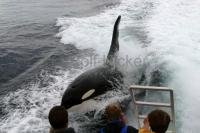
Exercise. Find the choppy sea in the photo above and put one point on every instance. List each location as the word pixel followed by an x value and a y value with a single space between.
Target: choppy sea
pixel 45 44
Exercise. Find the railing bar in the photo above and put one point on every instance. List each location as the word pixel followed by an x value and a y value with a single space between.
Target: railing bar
pixel 172 109
pixel 152 104
pixel 142 116
pixel 170 131
pixel 145 116
pixel 136 108
pixel 151 88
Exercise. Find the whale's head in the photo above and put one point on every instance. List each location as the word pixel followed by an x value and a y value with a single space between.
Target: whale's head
pixel 90 84
pixel 76 95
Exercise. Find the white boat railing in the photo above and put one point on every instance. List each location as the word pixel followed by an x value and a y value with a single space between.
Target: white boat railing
pixel 137 103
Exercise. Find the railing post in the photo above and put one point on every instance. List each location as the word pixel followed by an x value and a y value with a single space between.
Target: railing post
pixel 143 103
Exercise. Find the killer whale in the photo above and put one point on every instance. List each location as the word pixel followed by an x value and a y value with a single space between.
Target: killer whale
pixel 97 80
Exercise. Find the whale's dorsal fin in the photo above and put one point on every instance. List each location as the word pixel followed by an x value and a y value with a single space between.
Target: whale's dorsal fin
pixel 114 48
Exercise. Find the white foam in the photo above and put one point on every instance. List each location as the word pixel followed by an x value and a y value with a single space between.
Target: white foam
pixel 28 108
pixel 175 30
pixel 96 31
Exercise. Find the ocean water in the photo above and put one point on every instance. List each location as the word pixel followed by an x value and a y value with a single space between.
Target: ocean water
pixel 45 48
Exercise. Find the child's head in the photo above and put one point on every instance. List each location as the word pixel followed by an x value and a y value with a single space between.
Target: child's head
pixel 113 112
pixel 159 121
pixel 58 117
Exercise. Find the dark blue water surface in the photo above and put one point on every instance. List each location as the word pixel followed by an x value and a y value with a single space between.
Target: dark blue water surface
pixel 27 37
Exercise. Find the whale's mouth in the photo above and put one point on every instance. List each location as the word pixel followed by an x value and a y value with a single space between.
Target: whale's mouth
pixel 88 94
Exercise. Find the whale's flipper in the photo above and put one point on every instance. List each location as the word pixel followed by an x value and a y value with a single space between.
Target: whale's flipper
pixel 114 48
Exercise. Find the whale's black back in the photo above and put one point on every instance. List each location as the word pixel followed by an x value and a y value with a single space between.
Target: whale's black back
pixel 98 80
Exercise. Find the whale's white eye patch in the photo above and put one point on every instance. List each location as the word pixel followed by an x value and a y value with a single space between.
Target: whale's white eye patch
pixel 88 94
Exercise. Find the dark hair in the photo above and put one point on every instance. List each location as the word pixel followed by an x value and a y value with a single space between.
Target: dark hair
pixel 58 117
pixel 159 121
pixel 113 112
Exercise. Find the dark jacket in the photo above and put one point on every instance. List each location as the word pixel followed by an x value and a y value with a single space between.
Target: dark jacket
pixel 115 127
pixel 65 130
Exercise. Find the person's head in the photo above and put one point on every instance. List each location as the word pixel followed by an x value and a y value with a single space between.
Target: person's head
pixel 159 121
pixel 113 112
pixel 58 117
